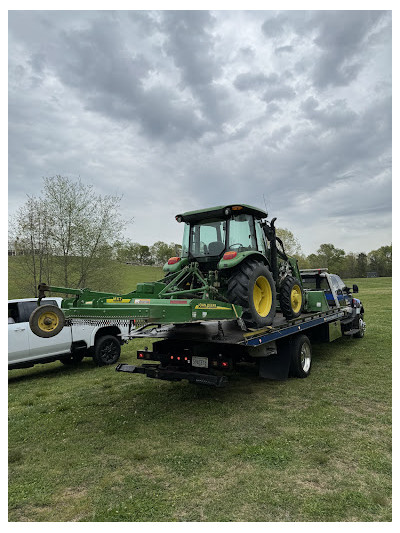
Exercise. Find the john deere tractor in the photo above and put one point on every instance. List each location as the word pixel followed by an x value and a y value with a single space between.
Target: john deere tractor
pixel 236 250
pixel 230 267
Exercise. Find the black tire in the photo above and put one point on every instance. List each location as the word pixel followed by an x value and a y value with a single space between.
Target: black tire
pixel 291 297
pixel 241 291
pixel 47 321
pixel 361 328
pixel 107 350
pixel 300 356
pixel 72 359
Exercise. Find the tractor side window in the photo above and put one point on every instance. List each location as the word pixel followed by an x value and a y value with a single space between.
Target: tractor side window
pixel 185 240
pixel 208 239
pixel 260 239
pixel 241 234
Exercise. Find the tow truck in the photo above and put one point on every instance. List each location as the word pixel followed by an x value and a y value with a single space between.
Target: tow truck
pixel 233 295
pixel 207 352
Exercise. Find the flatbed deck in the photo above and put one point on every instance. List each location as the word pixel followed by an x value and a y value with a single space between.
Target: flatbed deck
pixel 229 332
pixel 202 352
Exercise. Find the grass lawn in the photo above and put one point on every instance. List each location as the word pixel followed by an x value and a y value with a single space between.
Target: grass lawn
pixel 90 444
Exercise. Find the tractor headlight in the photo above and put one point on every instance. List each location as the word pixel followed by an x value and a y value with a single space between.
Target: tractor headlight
pixel 227 211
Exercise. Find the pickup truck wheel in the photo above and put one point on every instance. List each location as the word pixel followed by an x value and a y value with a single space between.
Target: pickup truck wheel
pixel 47 321
pixel 107 350
pixel 300 357
pixel 291 297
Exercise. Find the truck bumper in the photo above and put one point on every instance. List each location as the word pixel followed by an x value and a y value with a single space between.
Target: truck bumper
pixel 156 372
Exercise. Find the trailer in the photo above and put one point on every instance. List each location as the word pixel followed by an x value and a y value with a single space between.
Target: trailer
pixel 205 352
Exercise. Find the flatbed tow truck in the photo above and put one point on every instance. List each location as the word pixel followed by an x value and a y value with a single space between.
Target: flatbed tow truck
pixel 233 295
pixel 204 352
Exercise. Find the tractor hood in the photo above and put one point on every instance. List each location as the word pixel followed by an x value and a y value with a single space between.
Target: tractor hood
pixel 220 212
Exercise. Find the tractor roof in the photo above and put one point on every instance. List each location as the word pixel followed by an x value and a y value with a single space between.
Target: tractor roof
pixel 219 212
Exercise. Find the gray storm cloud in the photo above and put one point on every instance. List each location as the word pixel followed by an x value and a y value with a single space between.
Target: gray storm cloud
pixel 181 110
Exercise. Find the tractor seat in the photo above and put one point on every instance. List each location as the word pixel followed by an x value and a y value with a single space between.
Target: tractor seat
pixel 216 248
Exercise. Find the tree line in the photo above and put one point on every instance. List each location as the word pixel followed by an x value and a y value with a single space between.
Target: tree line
pixel 69 233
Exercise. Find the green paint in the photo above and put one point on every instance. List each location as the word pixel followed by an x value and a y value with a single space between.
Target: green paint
pixel 230 263
pixel 315 301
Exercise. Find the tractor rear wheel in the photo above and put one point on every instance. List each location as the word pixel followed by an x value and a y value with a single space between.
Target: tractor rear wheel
pixel 291 297
pixel 252 287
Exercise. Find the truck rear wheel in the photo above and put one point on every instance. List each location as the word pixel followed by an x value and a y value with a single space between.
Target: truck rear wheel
pixel 47 321
pixel 291 297
pixel 300 356
pixel 253 288
pixel 107 350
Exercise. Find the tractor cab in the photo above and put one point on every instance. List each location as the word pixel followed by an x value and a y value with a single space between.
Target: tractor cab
pixel 220 233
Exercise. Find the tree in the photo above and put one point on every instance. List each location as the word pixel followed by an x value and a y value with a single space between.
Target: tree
pixel 362 265
pixel 380 260
pixel 161 251
pixel 29 234
pixel 69 227
pixel 291 244
pixel 331 257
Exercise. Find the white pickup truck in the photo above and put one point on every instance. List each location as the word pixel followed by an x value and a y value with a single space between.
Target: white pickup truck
pixel 71 345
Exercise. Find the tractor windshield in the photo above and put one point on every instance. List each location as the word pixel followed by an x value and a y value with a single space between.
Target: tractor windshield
pixel 241 234
pixel 207 239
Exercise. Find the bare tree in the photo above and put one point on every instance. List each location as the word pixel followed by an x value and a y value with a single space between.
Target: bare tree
pixel 69 228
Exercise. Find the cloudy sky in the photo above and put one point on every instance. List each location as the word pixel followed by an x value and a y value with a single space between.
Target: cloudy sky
pixel 185 110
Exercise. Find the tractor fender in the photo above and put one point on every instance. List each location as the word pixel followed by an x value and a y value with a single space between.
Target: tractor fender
pixel 175 267
pixel 240 257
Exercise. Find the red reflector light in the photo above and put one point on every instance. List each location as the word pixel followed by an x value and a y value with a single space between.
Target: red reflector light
pixel 185 358
pixel 172 356
pixel 224 364
pixel 173 260
pixel 140 355
pixel 178 358
pixel 229 255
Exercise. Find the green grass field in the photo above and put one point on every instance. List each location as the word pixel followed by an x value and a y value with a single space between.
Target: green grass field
pixel 90 444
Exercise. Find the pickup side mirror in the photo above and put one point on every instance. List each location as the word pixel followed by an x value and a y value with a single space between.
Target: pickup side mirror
pixel 355 288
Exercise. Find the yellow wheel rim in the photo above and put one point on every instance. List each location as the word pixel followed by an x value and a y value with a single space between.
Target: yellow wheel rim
pixel 296 298
pixel 262 296
pixel 48 321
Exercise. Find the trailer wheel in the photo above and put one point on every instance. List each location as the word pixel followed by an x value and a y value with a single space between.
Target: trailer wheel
pixel 253 288
pixel 300 357
pixel 107 350
pixel 46 321
pixel 291 297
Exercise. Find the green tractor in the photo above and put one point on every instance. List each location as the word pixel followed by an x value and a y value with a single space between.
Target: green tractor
pixel 230 267
pixel 235 250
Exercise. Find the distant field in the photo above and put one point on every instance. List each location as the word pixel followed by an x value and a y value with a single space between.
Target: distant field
pixel 116 277
pixel 90 444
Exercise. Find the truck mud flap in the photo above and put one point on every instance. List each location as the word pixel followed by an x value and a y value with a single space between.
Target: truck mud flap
pixel 154 371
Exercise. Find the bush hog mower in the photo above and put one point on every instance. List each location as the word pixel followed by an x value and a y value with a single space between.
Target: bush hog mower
pixel 232 267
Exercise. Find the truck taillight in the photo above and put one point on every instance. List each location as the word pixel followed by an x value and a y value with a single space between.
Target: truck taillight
pixel 229 255
pixel 173 260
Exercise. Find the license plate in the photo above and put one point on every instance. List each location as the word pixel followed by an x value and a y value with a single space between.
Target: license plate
pixel 200 362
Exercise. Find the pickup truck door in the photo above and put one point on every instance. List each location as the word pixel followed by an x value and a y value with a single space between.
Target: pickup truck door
pixel 18 338
pixel 38 346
